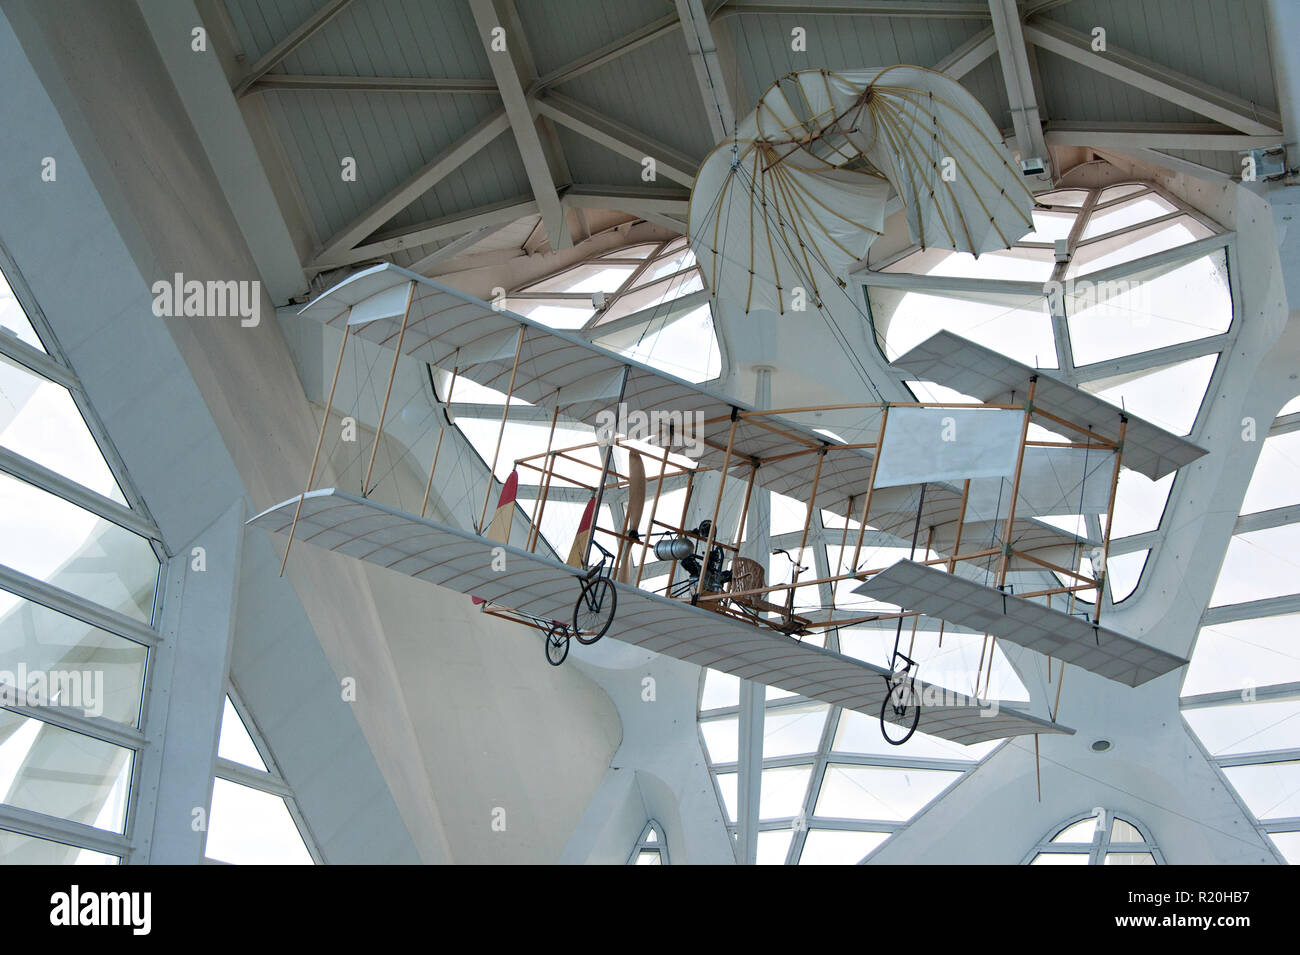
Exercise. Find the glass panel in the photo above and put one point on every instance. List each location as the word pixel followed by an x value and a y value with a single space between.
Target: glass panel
pixel 19 849
pixel 13 320
pixel 1259 564
pixel 792 730
pixel 235 743
pixel 684 345
pixel 1288 843
pixel 587 277
pixel 632 251
pixel 1169 397
pixel 1139 503
pixel 48 769
pixel 561 315
pixel 1060 858
pixel 1247 727
pixel 721 739
pixel 1234 656
pixel 878 792
pixel 1050 226
pixel 1123 571
pixel 653 295
pixel 1024 265
pixel 1127 246
pixel 1064 197
pixel 1276 481
pixel 1125 214
pixel 1079 832
pixel 677 261
pixel 40 421
pixel 773 846
pixel 1291 407
pixel 1111 193
pixel 649 857
pixel 1151 309
pixel 782 792
pixel 1129 858
pixel 1019 327
pixel 720 689
pixel 70 662
pixel 1269 790
pixel 838 846
pixel 53 540
pixel 727 786
pixel 651 835
pixel 250 827
pixel 1123 831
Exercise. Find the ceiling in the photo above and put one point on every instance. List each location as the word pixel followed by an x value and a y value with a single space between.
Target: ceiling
pixel 468 153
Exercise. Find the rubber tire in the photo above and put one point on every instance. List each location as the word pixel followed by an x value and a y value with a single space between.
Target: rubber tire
pixel 887 704
pixel 602 589
pixel 552 650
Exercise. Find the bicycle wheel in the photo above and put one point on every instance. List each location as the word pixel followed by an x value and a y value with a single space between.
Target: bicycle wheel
pixel 901 707
pixel 594 610
pixel 557 644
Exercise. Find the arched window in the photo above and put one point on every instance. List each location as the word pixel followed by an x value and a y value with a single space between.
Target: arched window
pixel 650 849
pixel 1099 837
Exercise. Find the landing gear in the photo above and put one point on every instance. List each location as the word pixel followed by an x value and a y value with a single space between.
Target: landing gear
pixel 557 644
pixel 594 611
pixel 901 707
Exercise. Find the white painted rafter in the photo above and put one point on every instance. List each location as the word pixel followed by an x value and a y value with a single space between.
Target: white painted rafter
pixel 434 230
pixel 417 185
pixel 1177 88
pixel 708 71
pixel 298 36
pixel 523 124
pixel 1019 82
pixel 616 136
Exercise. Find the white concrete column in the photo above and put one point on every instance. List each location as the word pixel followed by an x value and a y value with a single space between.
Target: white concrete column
pixel 187 692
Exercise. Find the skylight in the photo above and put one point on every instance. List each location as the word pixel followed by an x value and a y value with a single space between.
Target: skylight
pixel 1238 695
pixel 250 820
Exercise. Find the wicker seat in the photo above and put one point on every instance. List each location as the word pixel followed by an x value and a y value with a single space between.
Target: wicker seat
pixel 747 574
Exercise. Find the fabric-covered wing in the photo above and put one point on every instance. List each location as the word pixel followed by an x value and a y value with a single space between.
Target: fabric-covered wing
pixel 547 589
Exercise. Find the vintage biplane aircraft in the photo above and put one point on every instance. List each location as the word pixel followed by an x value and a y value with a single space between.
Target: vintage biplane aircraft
pixel 965 487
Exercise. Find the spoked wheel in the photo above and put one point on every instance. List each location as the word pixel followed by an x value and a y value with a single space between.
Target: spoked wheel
pixel 594 611
pixel 557 644
pixel 901 710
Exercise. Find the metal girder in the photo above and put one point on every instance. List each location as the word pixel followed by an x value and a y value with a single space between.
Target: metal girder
pixel 749 778
pixel 669 202
pixel 506 70
pixel 610 51
pixel 434 230
pixel 1019 82
pixel 373 84
pixel 615 136
pixel 1116 156
pixel 864 8
pixel 969 55
pixel 455 247
pixel 1208 136
pixel 708 72
pixel 659 206
pixel 1177 88
pixel 299 35
pixel 414 187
